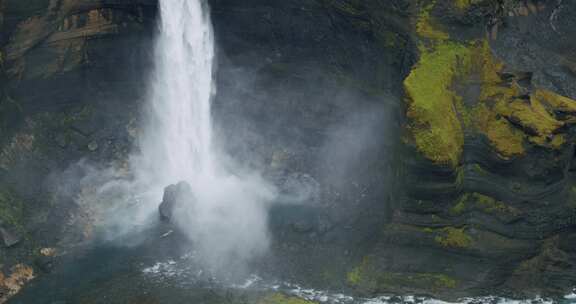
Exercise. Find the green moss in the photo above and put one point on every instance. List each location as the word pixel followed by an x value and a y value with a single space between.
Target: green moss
pixel 451 237
pixel 357 275
pixel 460 205
pixel 366 277
pixel 354 276
pixel 500 103
pixel 556 101
pixel 530 115
pixel 435 124
pixel 439 118
pixel 481 201
pixel 431 281
pixel 462 4
pixel 507 140
pixel 490 204
pixel 557 141
pixel 279 298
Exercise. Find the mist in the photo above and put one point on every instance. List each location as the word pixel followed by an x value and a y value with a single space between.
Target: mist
pixel 235 178
pixel 226 219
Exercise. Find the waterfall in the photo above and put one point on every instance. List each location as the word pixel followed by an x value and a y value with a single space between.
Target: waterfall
pixel 181 145
pixel 228 220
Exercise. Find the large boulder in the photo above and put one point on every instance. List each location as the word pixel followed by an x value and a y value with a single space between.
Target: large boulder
pixel 175 196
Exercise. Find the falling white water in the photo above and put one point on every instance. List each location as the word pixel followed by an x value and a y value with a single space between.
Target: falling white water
pixel 181 144
pixel 227 220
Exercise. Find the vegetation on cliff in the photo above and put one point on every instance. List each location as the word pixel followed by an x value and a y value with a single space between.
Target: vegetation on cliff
pixel 451 237
pixel 434 120
pixel 440 116
pixel 366 278
pixel 480 201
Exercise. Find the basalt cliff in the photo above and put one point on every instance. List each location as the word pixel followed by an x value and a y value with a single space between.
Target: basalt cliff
pixel 436 136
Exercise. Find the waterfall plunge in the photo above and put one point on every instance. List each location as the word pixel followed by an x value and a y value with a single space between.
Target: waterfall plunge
pixel 181 92
pixel 228 222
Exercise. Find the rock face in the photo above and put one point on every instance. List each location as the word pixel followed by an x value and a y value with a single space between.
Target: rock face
pixel 475 175
pixel 489 187
pixel 71 77
pixel 440 134
pixel 173 199
pixel 9 237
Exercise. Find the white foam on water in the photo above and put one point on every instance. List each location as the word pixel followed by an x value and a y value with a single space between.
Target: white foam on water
pixel 256 282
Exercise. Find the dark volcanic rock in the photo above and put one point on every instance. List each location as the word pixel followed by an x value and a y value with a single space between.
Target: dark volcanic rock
pixel 71 73
pixel 175 196
pixel 10 237
pixel 470 190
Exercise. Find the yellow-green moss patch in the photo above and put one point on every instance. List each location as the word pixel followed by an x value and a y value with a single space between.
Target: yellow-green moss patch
pixel 451 237
pixel 501 105
pixel 558 102
pixel 483 202
pixel 531 115
pixel 462 4
pixel 366 277
pixel 354 276
pixel 557 141
pixel 489 204
pixel 460 205
pixel 358 273
pixel 435 124
pixel 507 140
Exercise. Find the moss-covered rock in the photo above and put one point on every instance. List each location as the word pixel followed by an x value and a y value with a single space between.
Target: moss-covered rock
pixel 475 200
pixel 451 237
pixel 435 125
pixel 439 116
pixel 366 278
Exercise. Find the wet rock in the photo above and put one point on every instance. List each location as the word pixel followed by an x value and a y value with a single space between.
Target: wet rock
pixel 174 197
pixel 302 226
pixel 299 188
pixel 93 146
pixel 61 140
pixel 10 237
pixel 44 263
